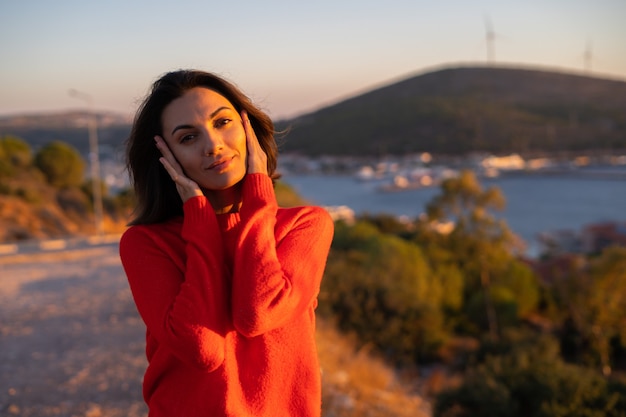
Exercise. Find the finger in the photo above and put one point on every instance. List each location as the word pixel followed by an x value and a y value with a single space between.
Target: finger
pixel 170 169
pixel 257 159
pixel 168 160
pixel 186 187
pixel 251 138
pixel 167 154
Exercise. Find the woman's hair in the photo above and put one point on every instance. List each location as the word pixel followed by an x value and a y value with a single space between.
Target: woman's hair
pixel 156 194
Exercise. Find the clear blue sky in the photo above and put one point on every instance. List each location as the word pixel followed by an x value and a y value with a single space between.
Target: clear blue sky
pixel 289 56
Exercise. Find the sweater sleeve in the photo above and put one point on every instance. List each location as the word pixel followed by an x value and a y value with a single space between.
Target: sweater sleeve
pixel 276 281
pixel 182 304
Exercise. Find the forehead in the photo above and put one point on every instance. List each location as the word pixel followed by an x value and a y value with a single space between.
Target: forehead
pixel 198 102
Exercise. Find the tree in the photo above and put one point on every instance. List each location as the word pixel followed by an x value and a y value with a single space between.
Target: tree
pixel 381 287
pixel 596 301
pixel 480 245
pixel 524 285
pixel 14 153
pixel 61 164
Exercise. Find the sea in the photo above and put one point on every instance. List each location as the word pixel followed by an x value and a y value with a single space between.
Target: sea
pixel 534 203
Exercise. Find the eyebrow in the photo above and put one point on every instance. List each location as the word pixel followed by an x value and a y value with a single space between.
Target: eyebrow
pixel 212 115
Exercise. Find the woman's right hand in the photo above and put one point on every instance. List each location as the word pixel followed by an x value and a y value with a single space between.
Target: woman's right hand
pixel 186 187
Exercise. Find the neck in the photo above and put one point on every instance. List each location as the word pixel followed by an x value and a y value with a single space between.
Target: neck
pixel 225 201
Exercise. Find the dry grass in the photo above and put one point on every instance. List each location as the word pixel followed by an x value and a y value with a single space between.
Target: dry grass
pixel 356 383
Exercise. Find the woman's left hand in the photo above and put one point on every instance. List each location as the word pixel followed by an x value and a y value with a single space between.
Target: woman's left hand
pixel 186 187
pixel 257 159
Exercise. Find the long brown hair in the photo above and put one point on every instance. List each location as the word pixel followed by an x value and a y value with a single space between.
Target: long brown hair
pixel 157 198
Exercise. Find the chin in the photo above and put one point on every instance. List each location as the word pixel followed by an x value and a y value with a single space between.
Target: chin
pixel 223 185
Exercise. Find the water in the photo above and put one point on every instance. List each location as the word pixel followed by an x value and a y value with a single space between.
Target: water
pixel 534 203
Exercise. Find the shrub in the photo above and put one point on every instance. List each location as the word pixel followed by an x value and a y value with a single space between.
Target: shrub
pixel 15 151
pixel 61 164
pixel 527 378
pixel 73 201
pixel 504 305
pixel 29 195
pixel 380 287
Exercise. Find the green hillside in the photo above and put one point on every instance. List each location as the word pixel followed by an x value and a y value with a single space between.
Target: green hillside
pixel 459 110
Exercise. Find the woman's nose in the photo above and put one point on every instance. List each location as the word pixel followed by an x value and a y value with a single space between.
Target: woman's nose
pixel 212 144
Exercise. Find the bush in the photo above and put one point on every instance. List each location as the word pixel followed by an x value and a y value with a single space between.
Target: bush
pixel 526 378
pixel 380 287
pixel 14 154
pixel 61 164
pixel 73 201
pixel 15 151
pixel 29 195
pixel 505 307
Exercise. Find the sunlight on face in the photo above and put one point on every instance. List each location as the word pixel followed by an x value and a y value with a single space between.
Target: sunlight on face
pixel 205 133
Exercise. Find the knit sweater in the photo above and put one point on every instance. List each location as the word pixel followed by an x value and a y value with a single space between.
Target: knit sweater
pixel 228 302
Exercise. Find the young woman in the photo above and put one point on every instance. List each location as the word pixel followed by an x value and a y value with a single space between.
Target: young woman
pixel 225 280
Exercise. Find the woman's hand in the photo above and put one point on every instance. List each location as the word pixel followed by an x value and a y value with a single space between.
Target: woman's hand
pixel 186 187
pixel 257 159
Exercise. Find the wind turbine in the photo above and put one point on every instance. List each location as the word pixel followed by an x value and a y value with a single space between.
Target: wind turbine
pixel 588 57
pixel 490 39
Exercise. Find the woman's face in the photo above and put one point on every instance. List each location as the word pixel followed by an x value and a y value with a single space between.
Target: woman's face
pixel 206 135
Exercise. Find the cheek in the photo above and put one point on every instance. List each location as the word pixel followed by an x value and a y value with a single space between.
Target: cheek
pixel 184 158
pixel 238 141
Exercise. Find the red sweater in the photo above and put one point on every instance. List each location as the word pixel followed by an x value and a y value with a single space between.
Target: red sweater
pixel 228 302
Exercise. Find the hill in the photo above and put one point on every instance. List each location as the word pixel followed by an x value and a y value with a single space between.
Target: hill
pixel 449 111
pixel 70 127
pixel 460 110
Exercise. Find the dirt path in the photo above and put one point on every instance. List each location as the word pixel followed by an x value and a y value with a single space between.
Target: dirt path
pixel 71 342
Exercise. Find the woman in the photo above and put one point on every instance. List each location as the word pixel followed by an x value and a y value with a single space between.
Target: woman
pixel 225 281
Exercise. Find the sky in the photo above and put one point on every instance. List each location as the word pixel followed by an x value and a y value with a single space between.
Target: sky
pixel 289 56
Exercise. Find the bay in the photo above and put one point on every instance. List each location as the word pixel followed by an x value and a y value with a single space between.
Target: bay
pixel 535 203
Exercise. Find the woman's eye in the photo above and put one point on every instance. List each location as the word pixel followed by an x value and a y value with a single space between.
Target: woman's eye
pixel 222 122
pixel 187 138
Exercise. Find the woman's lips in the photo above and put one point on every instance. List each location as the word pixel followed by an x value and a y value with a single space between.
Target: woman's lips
pixel 220 164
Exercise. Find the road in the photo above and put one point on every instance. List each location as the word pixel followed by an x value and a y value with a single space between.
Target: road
pixel 71 341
